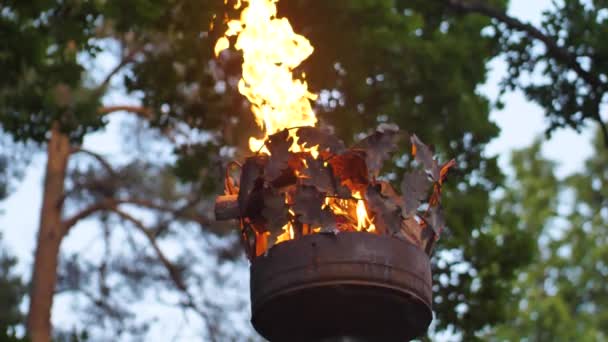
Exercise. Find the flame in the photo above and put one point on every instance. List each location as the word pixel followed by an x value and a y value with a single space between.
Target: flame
pixel 288 233
pixel 271 51
pixel 279 100
pixel 364 223
pixel 344 207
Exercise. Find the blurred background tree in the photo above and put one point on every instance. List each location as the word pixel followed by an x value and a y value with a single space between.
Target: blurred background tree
pixel 416 63
pixel 12 292
pixel 12 289
pixel 561 295
pixel 562 64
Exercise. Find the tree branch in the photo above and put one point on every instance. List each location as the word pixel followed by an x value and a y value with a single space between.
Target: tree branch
pixel 142 112
pixel 558 52
pixel 603 128
pixel 598 118
pixel 172 270
pixel 106 165
pixel 111 204
pixel 181 212
pixel 99 302
pixel 130 57
pixel 104 205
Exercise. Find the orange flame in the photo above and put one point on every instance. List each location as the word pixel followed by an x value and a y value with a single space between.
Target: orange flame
pixel 271 50
pixel 288 233
pixel 364 223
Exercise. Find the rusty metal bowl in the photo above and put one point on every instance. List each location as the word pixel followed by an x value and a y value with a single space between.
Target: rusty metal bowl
pixel 362 285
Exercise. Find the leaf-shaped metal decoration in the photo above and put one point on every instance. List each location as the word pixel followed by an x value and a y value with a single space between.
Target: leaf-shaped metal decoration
pixel 378 148
pixel 251 174
pixel 387 218
pixel 414 187
pixel 435 198
pixel 387 190
pixel 308 205
pixel 278 144
pixel 319 174
pixel 435 219
pixel 444 169
pixel 350 169
pixel 411 230
pixel 312 136
pixel 275 212
pixel 424 155
pixel 268 182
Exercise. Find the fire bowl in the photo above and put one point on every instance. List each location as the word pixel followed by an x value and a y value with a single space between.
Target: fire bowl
pixel 361 285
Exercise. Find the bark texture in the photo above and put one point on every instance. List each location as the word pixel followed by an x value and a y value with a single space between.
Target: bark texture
pixel 50 235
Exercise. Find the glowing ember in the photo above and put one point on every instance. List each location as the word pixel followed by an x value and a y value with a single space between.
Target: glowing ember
pixel 271 50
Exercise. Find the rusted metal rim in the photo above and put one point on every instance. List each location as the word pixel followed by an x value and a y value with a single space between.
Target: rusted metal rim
pixel 350 284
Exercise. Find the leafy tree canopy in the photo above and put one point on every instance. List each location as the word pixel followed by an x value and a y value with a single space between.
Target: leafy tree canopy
pixel 562 64
pixel 12 291
pixel 562 294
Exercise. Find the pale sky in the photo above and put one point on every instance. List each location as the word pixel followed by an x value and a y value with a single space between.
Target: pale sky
pixel 520 122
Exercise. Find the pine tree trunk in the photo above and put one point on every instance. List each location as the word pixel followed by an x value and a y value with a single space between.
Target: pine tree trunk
pixel 50 235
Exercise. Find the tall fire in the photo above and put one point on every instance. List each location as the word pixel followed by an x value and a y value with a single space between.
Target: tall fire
pixel 318 221
pixel 301 179
pixel 271 51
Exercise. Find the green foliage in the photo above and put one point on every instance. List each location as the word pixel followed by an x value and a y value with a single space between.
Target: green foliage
pixel 194 164
pixel 562 294
pixel 71 336
pixel 3 177
pixel 12 291
pixel 570 79
pixel 43 79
